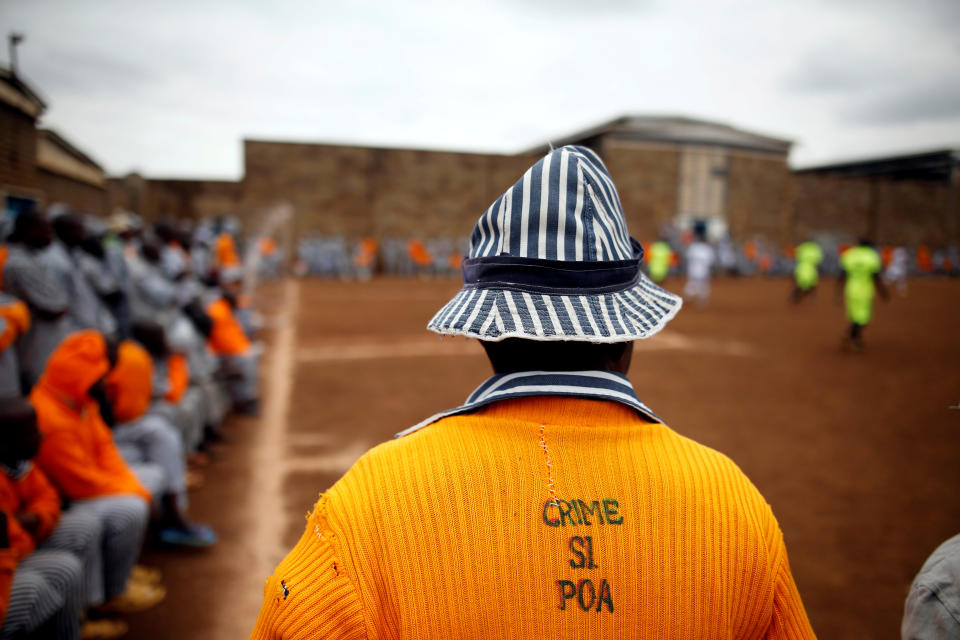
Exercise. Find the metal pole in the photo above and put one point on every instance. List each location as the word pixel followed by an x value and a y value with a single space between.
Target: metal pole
pixel 13 40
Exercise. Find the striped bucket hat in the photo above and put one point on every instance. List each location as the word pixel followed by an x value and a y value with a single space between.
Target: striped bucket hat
pixel 551 259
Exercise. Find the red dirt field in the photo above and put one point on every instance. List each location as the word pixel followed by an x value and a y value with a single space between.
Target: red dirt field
pixel 856 453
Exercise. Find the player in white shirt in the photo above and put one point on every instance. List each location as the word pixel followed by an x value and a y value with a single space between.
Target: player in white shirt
pixel 896 273
pixel 700 258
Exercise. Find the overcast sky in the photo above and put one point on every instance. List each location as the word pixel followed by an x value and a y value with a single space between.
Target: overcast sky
pixel 171 88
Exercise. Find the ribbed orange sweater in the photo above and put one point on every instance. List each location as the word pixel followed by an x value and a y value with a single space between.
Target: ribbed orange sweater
pixel 538 518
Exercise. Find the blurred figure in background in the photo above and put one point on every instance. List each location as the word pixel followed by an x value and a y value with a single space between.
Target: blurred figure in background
pixel 699 262
pixel 421 258
pixel 896 273
pixel 861 280
pixel 29 276
pixel 143 437
pixel 14 323
pixel 658 261
pixel 806 274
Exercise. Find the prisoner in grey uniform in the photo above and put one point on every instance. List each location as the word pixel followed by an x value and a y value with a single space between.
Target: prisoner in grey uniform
pixel 184 338
pixel 102 283
pixel 151 439
pixel 932 609
pixel 9 365
pixel 153 297
pixel 35 607
pixel 28 276
pixel 83 301
pixel 81 533
pixel 188 415
pixel 124 519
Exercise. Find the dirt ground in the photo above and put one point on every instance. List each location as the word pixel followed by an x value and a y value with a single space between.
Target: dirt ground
pixel 857 453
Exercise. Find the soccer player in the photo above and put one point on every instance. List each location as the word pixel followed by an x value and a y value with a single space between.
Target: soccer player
pixel 860 278
pixel 806 274
pixel 659 260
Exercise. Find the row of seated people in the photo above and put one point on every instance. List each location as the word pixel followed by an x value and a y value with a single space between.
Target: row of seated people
pixel 114 378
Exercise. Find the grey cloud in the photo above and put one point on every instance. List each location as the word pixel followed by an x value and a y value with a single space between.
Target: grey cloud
pixel 941 15
pixel 930 101
pixel 834 69
pixel 82 70
pixel 578 6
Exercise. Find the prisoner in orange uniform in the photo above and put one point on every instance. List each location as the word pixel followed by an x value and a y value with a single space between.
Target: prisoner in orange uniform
pixel 78 454
pixel 225 250
pixel 150 438
pixel 50 562
pixel 230 343
pixel 553 503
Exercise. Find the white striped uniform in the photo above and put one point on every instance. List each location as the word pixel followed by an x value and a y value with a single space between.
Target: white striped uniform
pixel 594 385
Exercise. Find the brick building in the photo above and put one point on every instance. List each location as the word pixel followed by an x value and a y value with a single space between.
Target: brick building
pixel 39 167
pixel 69 176
pixel 910 199
pixel 667 170
pixel 681 170
pixel 20 107
pixel 158 198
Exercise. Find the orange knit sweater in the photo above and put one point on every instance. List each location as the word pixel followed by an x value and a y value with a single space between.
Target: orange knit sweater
pixel 538 518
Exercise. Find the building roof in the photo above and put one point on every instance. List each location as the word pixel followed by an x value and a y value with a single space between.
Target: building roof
pixel 56 155
pixel 673 130
pixel 15 92
pixel 929 165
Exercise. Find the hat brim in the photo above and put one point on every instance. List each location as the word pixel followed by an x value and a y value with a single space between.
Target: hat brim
pixel 497 314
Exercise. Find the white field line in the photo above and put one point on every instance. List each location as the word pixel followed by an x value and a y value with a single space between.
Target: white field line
pixel 268 520
pixel 363 348
pixel 402 348
pixel 337 461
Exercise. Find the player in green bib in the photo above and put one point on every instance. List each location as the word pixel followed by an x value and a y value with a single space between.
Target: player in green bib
pixel 861 279
pixel 809 255
pixel 659 260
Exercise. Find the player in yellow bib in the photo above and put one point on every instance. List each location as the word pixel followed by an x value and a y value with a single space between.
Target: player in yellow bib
pixel 806 274
pixel 861 279
pixel 659 260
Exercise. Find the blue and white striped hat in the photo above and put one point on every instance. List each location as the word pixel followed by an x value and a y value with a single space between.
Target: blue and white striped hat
pixel 551 259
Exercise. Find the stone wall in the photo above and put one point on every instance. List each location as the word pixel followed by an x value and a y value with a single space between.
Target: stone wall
pixel 361 191
pixel 79 196
pixel 908 212
pixel 646 177
pixel 760 195
pixel 173 199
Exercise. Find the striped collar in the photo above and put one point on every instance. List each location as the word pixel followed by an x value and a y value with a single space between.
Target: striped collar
pixel 596 385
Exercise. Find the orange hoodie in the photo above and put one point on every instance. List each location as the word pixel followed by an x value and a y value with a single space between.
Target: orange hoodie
pixel 178 377
pixel 30 493
pixel 77 451
pixel 227 337
pixel 17 316
pixel 226 251
pixel 130 383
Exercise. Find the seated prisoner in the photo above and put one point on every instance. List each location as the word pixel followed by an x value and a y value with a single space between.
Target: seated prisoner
pixel 78 454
